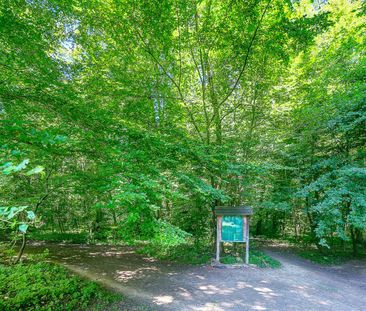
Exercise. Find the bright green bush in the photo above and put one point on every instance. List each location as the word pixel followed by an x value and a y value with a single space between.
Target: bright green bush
pixel 45 286
pixel 174 244
pixel 168 234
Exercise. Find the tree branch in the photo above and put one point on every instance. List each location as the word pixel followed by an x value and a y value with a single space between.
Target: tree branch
pixel 177 86
pixel 246 56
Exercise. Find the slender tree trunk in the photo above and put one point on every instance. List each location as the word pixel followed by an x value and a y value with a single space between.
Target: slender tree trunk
pixel 114 217
pixel 354 241
pixel 24 241
pixel 258 228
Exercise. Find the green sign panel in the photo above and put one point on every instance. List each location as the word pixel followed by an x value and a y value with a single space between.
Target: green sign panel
pixel 232 228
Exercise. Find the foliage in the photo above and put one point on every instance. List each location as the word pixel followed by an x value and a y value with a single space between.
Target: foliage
pixel 173 244
pixel 169 235
pixel 45 286
pixel 17 218
pixel 339 251
pixel 334 257
pixel 321 142
pixel 140 116
pixel 11 217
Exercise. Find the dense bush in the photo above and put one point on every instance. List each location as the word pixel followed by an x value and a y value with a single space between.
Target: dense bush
pixel 167 234
pixel 45 286
pixel 172 243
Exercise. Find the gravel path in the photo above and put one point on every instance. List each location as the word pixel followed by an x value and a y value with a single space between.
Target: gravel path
pixel 155 285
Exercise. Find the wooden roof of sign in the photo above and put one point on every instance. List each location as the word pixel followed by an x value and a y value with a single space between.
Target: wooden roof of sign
pixel 233 210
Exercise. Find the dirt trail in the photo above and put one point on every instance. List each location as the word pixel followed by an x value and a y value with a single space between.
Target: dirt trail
pixel 155 285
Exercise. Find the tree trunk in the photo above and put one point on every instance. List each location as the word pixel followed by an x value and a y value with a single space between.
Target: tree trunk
pixel 24 241
pixel 354 241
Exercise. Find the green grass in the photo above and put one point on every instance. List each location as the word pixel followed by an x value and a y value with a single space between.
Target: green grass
pixel 262 260
pixel 256 257
pixel 331 257
pixel 337 254
pixel 235 254
pixel 46 286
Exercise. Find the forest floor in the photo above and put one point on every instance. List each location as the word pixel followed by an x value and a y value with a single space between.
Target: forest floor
pixel 149 284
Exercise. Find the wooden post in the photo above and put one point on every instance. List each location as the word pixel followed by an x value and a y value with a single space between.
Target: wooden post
pixel 218 238
pixel 246 239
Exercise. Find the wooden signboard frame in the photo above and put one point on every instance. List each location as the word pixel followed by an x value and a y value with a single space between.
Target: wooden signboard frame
pixel 243 211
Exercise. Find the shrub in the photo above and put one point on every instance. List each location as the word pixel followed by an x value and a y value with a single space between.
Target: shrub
pixel 172 243
pixel 46 286
pixel 168 234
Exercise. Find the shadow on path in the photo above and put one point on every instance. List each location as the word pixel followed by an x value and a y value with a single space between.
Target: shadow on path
pixel 298 285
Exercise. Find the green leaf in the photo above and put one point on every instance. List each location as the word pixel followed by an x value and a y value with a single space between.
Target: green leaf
pixel 13 211
pixel 35 170
pixel 23 228
pixel 8 169
pixel 22 165
pixel 15 152
pixel 31 215
pixel 3 211
pixel 5 165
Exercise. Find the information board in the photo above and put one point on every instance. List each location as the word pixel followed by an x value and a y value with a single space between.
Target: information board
pixel 232 229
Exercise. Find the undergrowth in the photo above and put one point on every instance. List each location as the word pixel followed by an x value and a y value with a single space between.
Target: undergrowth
pixel 256 257
pixel 47 286
pixel 337 254
pixel 331 257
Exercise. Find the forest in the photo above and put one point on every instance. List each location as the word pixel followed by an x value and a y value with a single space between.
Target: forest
pixel 130 121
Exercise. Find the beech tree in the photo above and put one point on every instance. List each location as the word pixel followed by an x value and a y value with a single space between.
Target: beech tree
pixel 147 115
